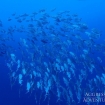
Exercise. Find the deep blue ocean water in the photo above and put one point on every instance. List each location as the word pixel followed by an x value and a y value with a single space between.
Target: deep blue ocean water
pixel 92 13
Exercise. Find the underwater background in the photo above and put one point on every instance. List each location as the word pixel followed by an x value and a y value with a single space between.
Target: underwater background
pixel 52 52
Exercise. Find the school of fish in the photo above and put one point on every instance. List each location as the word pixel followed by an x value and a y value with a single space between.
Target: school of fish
pixel 53 54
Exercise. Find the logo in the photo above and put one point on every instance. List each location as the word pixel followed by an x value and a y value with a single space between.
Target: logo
pixel 94 97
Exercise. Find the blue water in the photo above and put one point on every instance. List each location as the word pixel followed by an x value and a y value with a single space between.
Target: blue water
pixel 92 13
